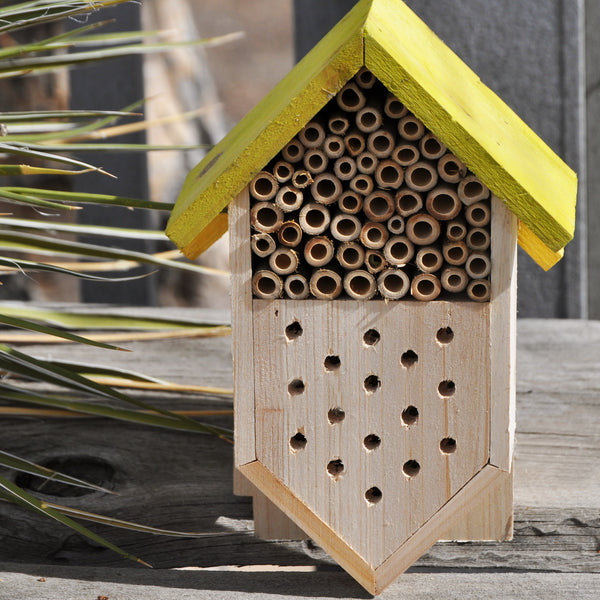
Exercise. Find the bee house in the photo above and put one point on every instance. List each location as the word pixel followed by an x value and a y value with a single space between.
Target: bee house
pixel 374 201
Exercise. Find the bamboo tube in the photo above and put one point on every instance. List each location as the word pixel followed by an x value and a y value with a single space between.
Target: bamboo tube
pixel 366 162
pixel 350 202
pixel 369 119
pixel 389 174
pixel 338 124
pixel 264 186
pixel 431 147
pixel 290 234
pixel 456 230
pixel 408 202
pixel 315 161
pixel 262 244
pixel 267 285
pixel 350 255
pixel 282 171
pixel 410 128
pixel 350 98
pixel 355 143
pixel 326 188
pixel 283 261
pixel 478 239
pixel 425 287
pixel 422 229
pixel 362 184
pixel 451 169
pixel 312 135
pixel 325 284
pixel 289 198
pixel 314 218
pixel 360 284
pixel 381 143
pixel 345 228
pixel 405 155
pixel 471 190
pixel 478 265
pixel 374 235
pixel 393 284
pixel 345 168
pixel 399 250
pixel 301 179
pixel 421 176
pixel 333 146
pixel 478 214
pixel 318 251
pixel 293 151
pixel 296 287
pixel 455 253
pixel 375 261
pixel 266 217
pixel 365 79
pixel 379 206
pixel 442 203
pixel 429 259
pixel 396 225
pixel 454 279
pixel 479 290
pixel 393 108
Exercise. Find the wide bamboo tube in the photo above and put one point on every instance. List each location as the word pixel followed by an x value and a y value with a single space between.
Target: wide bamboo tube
pixel 379 206
pixel 301 179
pixel 267 285
pixel 431 147
pixel 264 186
pixel 333 146
pixel 293 151
pixel 429 259
pixel 290 234
pixel 351 98
pixel 478 239
pixel 366 162
pixel 399 250
pixel 369 119
pixel 350 202
pixel 405 155
pixel 455 253
pixel 374 235
pixel 355 143
pixel 408 202
pixel 314 218
pixel 456 230
pixel 350 256
pixel 345 168
pixel 315 161
pixel 375 261
pixel 422 229
pixel 345 228
pixel 325 284
pixel 318 251
pixel 338 124
pixel 396 225
pixel 262 244
pixel 360 284
pixel 326 188
pixel 365 79
pixel 362 184
pixel 296 287
pixel 471 190
pixel 312 135
pixel 289 198
pixel 451 169
pixel 283 171
pixel 478 265
pixel 425 287
pixel 393 284
pixel 381 143
pixel 479 290
pixel 393 108
pixel 478 214
pixel 283 261
pixel 389 174
pixel 454 279
pixel 442 203
pixel 410 128
pixel 421 176
pixel 266 217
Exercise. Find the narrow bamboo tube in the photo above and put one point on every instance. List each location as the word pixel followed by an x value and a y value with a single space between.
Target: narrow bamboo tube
pixel 350 202
pixel 422 229
pixel 479 290
pixel 283 261
pixel 408 202
pixel 264 186
pixel 312 135
pixel 314 218
pixel 296 287
pixel 454 279
pixel 301 179
pixel 345 168
pixel 398 250
pixel 478 239
pixel 355 143
pixel 289 198
pixel 374 235
pixel 429 259
pixel 283 171
pixel 266 217
pixel 410 128
pixel 362 184
pixel 262 244
pixel 360 284
pixel 267 285
pixel 456 230
pixel 365 79
pixel 375 261
pixel 389 174
pixel 345 228
pixel 393 108
pixel 350 256
pixel 393 284
pixel 369 119
pixel 293 151
pixel 290 234
pixel 350 98
pixel 315 161
pixel 431 147
pixel 318 251
pixel 326 188
pixel 421 176
pixel 396 225
pixel 406 155
pixel 442 203
pixel 333 146
pixel 425 287
pixel 338 124
pixel 478 265
pixel 451 169
pixel 478 214
pixel 455 253
pixel 379 206
pixel 381 143
pixel 325 284
pixel 471 190
pixel 366 162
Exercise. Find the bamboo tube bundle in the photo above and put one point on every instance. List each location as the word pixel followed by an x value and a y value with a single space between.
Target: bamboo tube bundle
pixel 266 217
pixel 393 108
pixel 398 250
pixel 296 287
pixel 406 155
pixel 422 229
pixel 289 198
pixel 396 225
pixel 319 251
pixel 375 261
pixel 326 188
pixel 429 259
pixel 454 279
pixel 379 206
pixel 283 261
pixel 315 161
pixel 264 186
pixel 267 285
pixel 389 174
pixel 325 284
pixel 351 98
pixel 360 284
pixel 374 235
pixel 290 234
pixel 350 256
pixel 283 171
pixel 350 202
pixel 366 162
pixel 425 287
pixel 345 228
pixel 393 284
pixel 293 151
pixel 262 244
pixel 314 218
pixel 312 135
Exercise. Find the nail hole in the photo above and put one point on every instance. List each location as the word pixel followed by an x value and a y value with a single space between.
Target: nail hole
pixel 296 387
pixel 336 415
pixel 335 468
pixel 411 468
pixel 297 442
pixel 332 363
pixel 371 337
pixel 372 383
pixel 446 388
pixel 373 495
pixel 409 358
pixel 410 415
pixel 372 441
pixel 448 445
pixel 293 330
pixel 445 335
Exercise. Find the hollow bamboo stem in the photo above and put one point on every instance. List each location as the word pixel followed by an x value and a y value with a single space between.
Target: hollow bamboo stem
pixel 355 143
pixel 369 119
pixel 389 174
pixel 422 229
pixel 429 259
pixel 318 251
pixel 455 253
pixel 478 214
pixel 451 169
pixel 408 202
pixel 350 202
pixel 393 108
pixel 381 143
pixel 325 284
pixel 478 239
pixel 293 151
pixel 326 188
pixel 379 206
pixel 456 230
pixel 431 147
pixel 262 244
pixel 374 235
pixel 405 155
pixel 360 284
pixel 290 234
pixel 283 261
pixel 315 161
pixel 393 284
pixel 283 171
pixel 375 261
pixel 366 162
pixel 312 135
pixel 398 250
pixel 410 128
pixel 350 256
pixel 454 279
pixel 351 98
pixel 471 190
pixel 289 198
pixel 421 176
pixel 314 218
pixel 338 124
pixel 345 228
pixel 425 287
pixel 296 287
pixel 264 186
pixel 301 179
pixel 333 146
pixel 365 79
pixel 442 203
pixel 362 184
pixel 478 265
pixel 266 217
pixel 267 285
pixel 479 290
pixel 345 168
pixel 396 225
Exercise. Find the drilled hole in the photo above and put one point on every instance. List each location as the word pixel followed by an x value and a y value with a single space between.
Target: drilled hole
pixel 335 468
pixel 332 363
pixel 411 468
pixel 372 441
pixel 372 383
pixel 445 335
pixel 296 387
pixel 448 445
pixel 410 415
pixel 297 442
pixel 293 330
pixel 336 415
pixel 371 337
pixel 373 495
pixel 446 388
pixel 409 358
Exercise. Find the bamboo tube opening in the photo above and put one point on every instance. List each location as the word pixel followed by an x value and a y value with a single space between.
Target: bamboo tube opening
pixel 350 202
pixel 471 190
pixel 398 250
pixel 293 151
pixel 296 287
pixel 374 261
pixel 422 229
pixel 443 204
pixel 429 259
pixel 393 108
pixel 262 244
pixel 431 147
pixel 389 174
pixel 338 124
pixel 350 255
pixel 267 285
pixel 283 261
pixel 395 225
pixel 362 184
pixel 479 290
pixel 264 186
pixel 451 169
pixel 290 234
pixel 325 284
pixel 283 171
pixel 333 146
pixel 344 168
pixel 421 177
pixel 425 287
pixel 455 253
pixel 379 206
pixel 318 251
pixel 326 188
pixel 345 228
pixel 365 79
pixel 454 279
pixel 312 135
pixel 408 202
pixel 289 198
pixel 366 162
pixel 301 179
pixel 374 235
pixel 315 161
pixel 456 230
pixel 393 284
pixel 314 218
pixel 350 98
pixel 368 119
pixel 478 239
pixel 478 214
pixel 266 217
pixel 355 143
pixel 478 265
pixel 410 128
pixel 381 143
pixel 405 155
pixel 360 285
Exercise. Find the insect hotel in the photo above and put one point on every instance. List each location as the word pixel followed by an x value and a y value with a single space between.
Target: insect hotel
pixel 374 201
